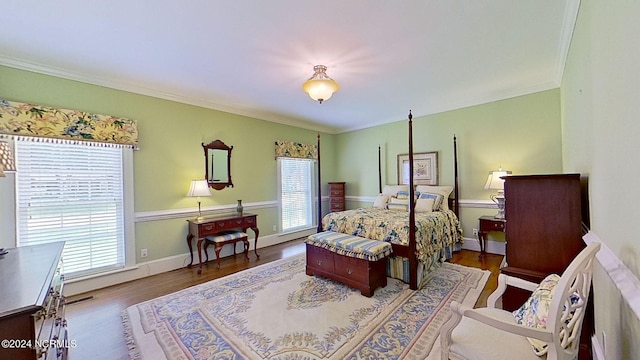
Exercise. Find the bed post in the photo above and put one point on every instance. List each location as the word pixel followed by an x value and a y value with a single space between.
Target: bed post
pixel 379 171
pixel 319 189
pixel 456 193
pixel 413 260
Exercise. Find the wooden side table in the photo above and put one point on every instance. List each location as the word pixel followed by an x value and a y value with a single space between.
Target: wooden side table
pixel 488 223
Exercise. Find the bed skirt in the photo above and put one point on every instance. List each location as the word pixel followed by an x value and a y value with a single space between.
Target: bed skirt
pixel 398 266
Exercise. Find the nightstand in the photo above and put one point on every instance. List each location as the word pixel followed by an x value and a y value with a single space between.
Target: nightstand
pixel 488 223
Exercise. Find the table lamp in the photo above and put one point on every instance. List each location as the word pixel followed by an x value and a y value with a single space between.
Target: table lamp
pixel 494 182
pixel 199 188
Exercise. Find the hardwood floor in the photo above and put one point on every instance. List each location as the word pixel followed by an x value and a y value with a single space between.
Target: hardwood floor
pixel 94 317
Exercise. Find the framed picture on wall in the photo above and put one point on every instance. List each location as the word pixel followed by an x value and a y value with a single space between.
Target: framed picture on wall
pixel 425 168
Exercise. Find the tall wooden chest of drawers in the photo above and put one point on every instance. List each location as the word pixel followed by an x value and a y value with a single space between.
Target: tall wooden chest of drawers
pixel 336 196
pixel 543 228
pixel 544 217
pixel 32 323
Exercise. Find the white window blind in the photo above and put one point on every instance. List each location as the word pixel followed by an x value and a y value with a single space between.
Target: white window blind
pixel 72 193
pixel 296 193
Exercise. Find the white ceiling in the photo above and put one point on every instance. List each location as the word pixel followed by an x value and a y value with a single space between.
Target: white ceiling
pixel 251 57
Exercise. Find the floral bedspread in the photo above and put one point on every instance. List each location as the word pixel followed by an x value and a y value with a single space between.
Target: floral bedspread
pixel 434 230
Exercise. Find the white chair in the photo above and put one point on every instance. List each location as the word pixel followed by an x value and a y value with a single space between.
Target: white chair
pixel 492 333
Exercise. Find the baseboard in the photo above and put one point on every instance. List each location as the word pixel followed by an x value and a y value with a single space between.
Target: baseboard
pixel 493 247
pixel 154 267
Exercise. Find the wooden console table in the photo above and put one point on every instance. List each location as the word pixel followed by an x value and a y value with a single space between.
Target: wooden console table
pixel 212 225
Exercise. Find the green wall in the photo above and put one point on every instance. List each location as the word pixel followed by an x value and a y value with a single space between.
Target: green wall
pixel 600 138
pixel 523 134
pixel 171 154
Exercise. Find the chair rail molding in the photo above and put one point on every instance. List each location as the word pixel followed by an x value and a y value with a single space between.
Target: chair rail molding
pixel 623 278
pixel 154 215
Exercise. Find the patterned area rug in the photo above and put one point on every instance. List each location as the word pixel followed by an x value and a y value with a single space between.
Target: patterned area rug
pixel 276 311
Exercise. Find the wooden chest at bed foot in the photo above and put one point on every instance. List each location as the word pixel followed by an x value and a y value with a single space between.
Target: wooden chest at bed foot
pixel 360 274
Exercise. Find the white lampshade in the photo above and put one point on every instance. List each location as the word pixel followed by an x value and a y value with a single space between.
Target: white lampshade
pixel 494 181
pixel 320 86
pixel 199 188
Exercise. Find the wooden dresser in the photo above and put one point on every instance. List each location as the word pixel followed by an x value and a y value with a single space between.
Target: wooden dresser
pixel 336 196
pixel 32 323
pixel 543 225
pixel 543 233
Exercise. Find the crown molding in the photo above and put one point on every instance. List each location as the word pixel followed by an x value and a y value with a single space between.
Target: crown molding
pixel 570 19
pixel 446 105
pixel 147 91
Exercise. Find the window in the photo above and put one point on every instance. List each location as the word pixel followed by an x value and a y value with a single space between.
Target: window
pixel 296 193
pixel 73 193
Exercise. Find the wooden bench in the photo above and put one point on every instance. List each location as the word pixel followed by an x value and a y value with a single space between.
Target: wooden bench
pixel 222 239
pixel 351 260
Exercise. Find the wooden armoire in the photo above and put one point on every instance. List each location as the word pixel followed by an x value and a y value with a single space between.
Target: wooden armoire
pixel 544 229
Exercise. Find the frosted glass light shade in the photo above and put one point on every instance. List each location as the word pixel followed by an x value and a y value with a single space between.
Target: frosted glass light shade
pixel 320 86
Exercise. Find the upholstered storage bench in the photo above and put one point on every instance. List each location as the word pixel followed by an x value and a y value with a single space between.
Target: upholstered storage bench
pixel 221 239
pixel 348 259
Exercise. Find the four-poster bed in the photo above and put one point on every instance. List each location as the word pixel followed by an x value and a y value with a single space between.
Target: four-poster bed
pixel 419 244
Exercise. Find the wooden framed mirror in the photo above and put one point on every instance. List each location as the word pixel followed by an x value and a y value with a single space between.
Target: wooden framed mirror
pixel 218 164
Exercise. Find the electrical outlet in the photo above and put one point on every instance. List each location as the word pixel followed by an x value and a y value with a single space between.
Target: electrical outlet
pixel 143 253
pixel 475 231
pixel 275 228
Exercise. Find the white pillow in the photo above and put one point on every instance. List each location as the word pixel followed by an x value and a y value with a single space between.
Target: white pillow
pixel 437 199
pixel 393 189
pixel 424 205
pixel 394 200
pixel 381 201
pixel 398 204
pixel 444 190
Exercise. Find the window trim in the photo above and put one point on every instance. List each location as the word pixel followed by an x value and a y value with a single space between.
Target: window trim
pixel 313 186
pixel 129 208
pixel 128 214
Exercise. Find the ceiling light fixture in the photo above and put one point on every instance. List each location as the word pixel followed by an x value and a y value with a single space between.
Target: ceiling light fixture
pixel 320 86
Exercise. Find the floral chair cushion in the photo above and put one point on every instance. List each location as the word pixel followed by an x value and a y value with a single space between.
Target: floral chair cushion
pixel 534 312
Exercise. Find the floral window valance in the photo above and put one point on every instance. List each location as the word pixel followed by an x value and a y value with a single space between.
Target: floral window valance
pixel 289 149
pixel 20 119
